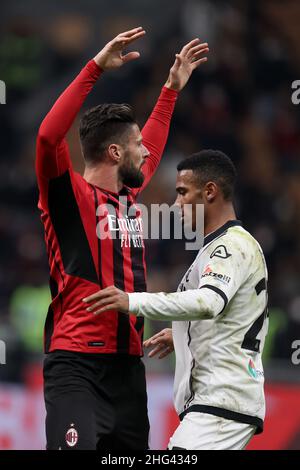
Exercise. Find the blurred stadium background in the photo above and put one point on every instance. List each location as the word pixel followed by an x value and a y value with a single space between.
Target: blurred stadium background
pixel 240 102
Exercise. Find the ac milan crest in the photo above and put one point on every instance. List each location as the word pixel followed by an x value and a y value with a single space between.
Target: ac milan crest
pixel 71 436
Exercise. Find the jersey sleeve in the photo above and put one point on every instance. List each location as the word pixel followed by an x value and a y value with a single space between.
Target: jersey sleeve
pixel 155 133
pixel 226 267
pixel 52 153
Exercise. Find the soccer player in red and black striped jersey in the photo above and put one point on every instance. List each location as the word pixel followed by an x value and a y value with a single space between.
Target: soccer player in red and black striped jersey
pixel 95 391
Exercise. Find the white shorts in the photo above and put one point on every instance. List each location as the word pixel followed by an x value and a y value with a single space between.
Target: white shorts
pixel 202 431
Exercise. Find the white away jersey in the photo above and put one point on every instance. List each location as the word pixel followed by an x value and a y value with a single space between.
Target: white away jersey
pixel 222 307
pixel 219 359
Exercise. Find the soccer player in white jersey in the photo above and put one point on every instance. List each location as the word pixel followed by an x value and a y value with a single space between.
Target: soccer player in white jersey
pixel 219 316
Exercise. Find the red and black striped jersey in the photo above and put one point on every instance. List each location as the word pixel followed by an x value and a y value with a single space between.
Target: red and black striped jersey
pixel 81 261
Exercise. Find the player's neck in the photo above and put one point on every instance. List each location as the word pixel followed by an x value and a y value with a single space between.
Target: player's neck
pixel 104 176
pixel 217 218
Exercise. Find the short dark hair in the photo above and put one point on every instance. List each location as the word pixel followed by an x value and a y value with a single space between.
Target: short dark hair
pixel 103 125
pixel 212 165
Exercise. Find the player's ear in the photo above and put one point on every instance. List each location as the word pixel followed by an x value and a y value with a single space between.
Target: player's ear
pixel 210 191
pixel 114 152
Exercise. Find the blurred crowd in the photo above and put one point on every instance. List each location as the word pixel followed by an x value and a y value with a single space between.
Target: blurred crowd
pixel 239 102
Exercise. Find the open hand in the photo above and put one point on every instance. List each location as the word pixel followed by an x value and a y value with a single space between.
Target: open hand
pixel 110 298
pixel 190 57
pixel 111 56
pixel 163 342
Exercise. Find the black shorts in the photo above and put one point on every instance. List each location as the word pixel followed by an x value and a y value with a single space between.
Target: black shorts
pixel 95 401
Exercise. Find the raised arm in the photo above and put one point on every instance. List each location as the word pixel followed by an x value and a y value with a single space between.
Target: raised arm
pixel 156 129
pixel 52 157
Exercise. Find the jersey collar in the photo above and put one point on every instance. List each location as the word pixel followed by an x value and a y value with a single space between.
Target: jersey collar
pixel 213 235
pixel 124 191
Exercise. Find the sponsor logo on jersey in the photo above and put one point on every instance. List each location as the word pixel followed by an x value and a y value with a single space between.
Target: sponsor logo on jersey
pixel 208 272
pixel 255 373
pixel 71 436
pixel 130 229
pixel 220 252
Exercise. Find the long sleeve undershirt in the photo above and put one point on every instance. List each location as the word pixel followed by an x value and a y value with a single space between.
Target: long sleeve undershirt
pixel 190 305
